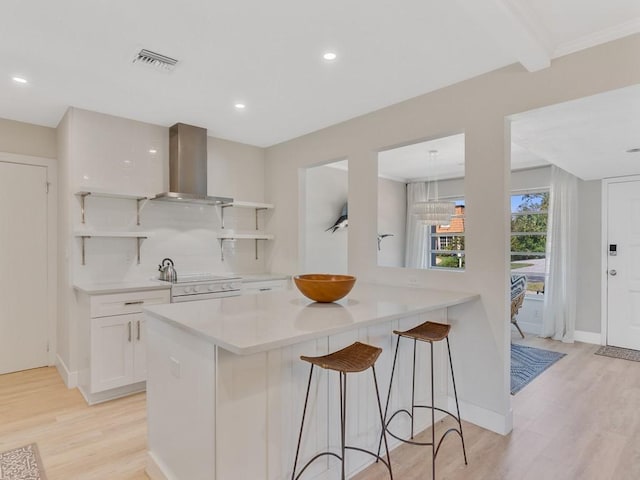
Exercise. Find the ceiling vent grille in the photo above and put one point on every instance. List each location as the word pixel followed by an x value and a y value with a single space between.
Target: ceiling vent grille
pixel 156 60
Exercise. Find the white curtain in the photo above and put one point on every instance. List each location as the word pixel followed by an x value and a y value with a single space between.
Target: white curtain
pixel 560 291
pixel 416 252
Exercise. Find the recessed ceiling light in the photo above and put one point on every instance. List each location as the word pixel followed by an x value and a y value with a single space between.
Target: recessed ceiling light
pixel 634 150
pixel 153 151
pixel 240 106
pixel 329 56
pixel 20 80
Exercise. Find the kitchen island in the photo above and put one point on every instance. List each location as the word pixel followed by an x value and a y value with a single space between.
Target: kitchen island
pixel 225 386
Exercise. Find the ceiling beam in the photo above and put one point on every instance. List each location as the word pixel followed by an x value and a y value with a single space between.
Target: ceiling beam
pixel 514 27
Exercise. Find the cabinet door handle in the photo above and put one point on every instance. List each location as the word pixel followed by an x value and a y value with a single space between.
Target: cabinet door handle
pixel 129 331
pixel 265 289
pixel 138 330
pixel 137 302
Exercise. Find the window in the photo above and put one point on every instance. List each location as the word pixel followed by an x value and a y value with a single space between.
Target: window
pixel 446 242
pixel 529 237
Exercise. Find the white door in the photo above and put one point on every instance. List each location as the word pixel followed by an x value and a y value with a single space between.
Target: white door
pixel 623 268
pixel 23 267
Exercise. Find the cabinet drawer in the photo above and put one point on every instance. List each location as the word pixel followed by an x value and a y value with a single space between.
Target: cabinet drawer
pixel 263 286
pixel 123 303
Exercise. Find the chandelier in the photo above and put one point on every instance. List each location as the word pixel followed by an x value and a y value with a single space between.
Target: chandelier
pixel 433 211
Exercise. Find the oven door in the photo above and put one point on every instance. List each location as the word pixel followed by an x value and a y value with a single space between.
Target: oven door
pixel 204 296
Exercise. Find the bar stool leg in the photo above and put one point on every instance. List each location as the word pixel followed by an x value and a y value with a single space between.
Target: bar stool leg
pixel 413 388
pixel 304 412
pixel 386 407
pixel 455 394
pixel 433 420
pixel 343 418
pixel 386 445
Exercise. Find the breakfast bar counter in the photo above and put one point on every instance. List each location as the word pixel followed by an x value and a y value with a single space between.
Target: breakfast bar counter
pixel 225 385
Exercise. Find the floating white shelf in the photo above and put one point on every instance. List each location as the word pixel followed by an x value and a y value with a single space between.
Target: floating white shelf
pixel 96 192
pixel 119 234
pixel 84 234
pixel 244 236
pixel 260 206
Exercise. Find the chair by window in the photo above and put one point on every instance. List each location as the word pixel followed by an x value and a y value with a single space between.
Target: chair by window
pixel 518 291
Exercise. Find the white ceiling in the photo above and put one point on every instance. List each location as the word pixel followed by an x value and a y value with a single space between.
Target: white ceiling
pixel 268 55
pixel 588 137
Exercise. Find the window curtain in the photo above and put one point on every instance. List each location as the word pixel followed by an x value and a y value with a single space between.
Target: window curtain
pixel 560 292
pixel 416 251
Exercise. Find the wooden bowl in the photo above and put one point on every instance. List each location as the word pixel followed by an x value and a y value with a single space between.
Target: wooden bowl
pixel 324 287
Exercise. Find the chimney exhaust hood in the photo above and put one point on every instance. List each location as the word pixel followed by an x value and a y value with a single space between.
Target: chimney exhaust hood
pixel 188 167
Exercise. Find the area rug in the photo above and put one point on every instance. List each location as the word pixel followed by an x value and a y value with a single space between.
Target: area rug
pixel 529 362
pixel 619 352
pixel 22 463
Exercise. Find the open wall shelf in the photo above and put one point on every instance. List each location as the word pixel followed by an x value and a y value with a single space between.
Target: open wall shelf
pixel 84 193
pixel 254 205
pixel 83 235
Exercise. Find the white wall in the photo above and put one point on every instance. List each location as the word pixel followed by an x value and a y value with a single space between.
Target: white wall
pixel 325 194
pixel 477 107
pixel 590 252
pixel 392 218
pixel 27 139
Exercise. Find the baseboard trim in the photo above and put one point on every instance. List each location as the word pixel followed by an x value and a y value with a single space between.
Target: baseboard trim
pixel 100 397
pixel 155 470
pixel 587 337
pixel 488 419
pixel 69 378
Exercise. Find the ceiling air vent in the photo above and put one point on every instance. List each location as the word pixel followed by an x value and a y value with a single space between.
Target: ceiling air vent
pixel 156 60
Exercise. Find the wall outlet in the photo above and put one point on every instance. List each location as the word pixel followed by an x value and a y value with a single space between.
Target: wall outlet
pixel 413 281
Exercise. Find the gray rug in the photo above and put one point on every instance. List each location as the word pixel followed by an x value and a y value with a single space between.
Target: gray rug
pixel 529 362
pixel 618 352
pixel 22 463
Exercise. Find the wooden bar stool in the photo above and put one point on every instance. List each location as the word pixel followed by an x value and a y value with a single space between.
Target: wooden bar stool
pixel 428 332
pixel 357 357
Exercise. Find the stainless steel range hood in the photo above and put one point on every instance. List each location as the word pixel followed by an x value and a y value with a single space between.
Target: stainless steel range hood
pixel 188 167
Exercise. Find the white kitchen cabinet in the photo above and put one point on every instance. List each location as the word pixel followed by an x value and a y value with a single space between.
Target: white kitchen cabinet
pixel 114 359
pixel 112 351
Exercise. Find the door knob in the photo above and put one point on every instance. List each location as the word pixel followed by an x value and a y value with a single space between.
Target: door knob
pixel 613 273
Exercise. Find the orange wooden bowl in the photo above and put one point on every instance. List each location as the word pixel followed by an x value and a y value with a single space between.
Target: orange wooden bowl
pixel 324 287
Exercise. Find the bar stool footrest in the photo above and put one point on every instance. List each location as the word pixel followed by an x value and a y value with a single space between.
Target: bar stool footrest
pixel 414 442
pixel 322 454
pixel 347 447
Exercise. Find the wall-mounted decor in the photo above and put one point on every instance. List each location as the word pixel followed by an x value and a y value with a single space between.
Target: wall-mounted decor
pixel 341 222
pixel 381 236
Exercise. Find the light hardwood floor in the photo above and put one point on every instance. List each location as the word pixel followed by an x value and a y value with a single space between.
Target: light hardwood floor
pixel 579 420
pixel 76 442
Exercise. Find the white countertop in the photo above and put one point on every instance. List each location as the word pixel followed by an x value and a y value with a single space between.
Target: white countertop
pixel 120 287
pixel 258 323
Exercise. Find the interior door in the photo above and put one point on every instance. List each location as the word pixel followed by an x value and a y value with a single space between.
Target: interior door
pixel 623 266
pixel 23 267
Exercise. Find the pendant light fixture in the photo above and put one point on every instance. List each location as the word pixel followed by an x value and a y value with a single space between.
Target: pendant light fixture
pixel 433 211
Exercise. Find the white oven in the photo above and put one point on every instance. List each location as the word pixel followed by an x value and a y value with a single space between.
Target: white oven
pixel 193 287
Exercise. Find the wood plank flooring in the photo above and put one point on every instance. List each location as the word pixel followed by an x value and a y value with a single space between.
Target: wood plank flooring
pixel 579 420
pixel 76 442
